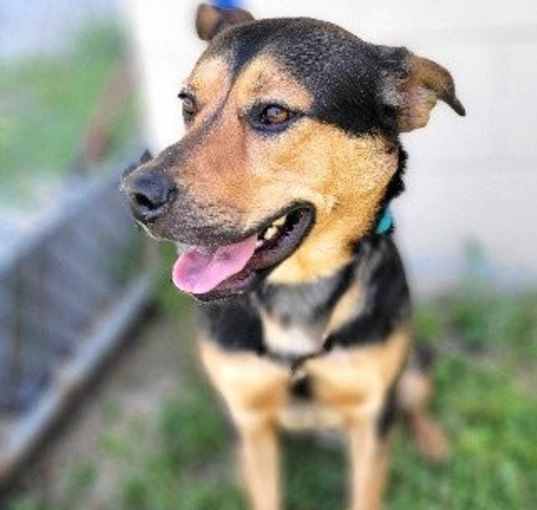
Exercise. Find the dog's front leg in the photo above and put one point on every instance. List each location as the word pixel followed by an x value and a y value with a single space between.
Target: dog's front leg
pixel 369 454
pixel 355 383
pixel 260 465
pixel 254 389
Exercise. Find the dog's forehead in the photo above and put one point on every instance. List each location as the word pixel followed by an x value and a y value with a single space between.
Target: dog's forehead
pixel 210 78
pixel 264 77
pixel 338 70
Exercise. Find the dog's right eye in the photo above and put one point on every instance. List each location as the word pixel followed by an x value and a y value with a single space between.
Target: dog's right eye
pixel 189 107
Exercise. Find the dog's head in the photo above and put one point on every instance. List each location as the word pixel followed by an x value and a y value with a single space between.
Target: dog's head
pixel 290 152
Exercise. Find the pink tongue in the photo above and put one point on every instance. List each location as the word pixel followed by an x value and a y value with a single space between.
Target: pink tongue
pixel 200 270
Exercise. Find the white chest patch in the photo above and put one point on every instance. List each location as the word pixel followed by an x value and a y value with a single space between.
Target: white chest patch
pixel 295 340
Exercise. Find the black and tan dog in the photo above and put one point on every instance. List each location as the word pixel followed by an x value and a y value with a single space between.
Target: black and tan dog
pixel 280 191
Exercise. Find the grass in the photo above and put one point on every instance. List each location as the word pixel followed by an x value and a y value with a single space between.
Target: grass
pixel 181 459
pixel 46 104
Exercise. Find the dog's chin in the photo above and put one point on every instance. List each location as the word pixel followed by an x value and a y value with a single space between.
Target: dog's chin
pixel 259 251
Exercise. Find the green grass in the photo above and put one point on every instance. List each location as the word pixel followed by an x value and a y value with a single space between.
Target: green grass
pixel 45 106
pixel 484 401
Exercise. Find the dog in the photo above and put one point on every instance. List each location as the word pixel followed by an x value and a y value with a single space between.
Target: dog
pixel 278 195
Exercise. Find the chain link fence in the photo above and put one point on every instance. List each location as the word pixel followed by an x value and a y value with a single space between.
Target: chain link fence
pixel 68 291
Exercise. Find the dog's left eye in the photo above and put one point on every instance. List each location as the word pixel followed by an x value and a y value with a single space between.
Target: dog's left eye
pixel 273 115
pixel 270 117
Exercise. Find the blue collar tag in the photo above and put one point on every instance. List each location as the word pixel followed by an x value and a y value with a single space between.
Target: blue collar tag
pixel 385 223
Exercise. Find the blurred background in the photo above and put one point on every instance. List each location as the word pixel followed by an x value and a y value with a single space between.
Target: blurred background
pixel 101 401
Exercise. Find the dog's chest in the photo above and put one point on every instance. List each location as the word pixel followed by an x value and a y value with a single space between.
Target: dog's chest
pixel 294 319
pixel 292 344
pixel 284 338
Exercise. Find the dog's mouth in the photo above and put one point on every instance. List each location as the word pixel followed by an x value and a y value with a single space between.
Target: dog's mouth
pixel 220 271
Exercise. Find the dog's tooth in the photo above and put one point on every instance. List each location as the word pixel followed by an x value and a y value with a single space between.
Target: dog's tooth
pixel 259 243
pixel 271 232
pixel 280 222
pixel 180 248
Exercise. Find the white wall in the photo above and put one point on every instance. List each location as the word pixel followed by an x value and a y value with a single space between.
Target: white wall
pixel 467 178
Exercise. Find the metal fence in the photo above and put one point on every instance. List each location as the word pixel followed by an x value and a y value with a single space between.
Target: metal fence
pixel 67 292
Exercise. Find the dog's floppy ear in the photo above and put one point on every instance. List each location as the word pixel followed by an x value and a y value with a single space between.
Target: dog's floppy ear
pixel 414 91
pixel 211 20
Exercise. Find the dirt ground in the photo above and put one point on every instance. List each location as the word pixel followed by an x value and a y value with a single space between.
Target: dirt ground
pixel 131 388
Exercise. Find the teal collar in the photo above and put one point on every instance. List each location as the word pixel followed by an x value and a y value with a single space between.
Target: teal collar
pixel 385 223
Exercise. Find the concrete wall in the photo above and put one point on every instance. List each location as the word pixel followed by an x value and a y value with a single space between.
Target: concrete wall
pixel 471 178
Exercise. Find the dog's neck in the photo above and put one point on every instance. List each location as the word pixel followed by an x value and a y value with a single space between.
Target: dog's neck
pixel 295 317
pixel 298 319
pixel 321 293
pixel 305 304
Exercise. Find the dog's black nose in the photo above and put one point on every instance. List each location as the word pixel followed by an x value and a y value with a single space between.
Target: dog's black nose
pixel 149 193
